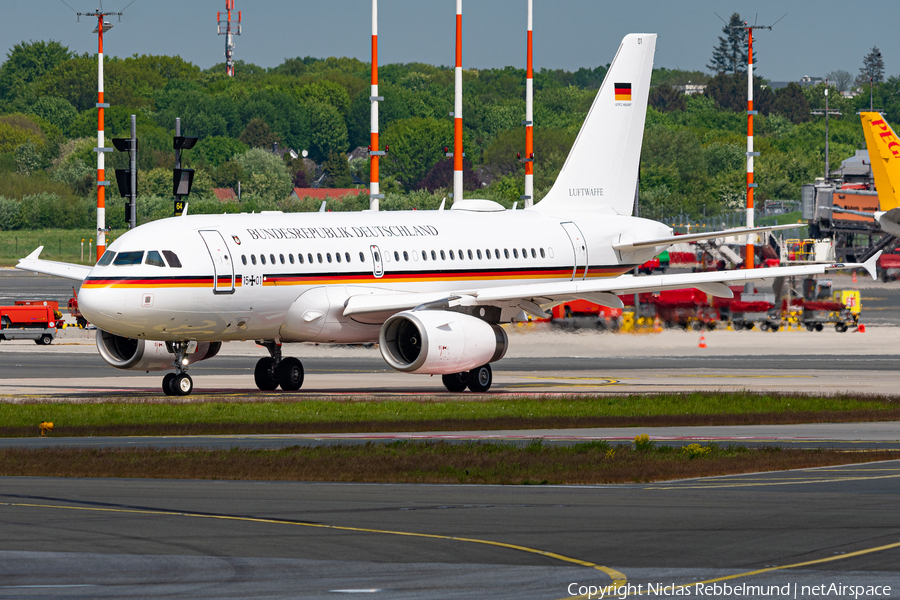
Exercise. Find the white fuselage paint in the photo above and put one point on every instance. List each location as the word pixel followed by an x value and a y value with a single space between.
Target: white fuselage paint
pixel 304 302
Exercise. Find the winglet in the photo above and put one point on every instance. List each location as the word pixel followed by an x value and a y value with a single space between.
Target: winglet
pixel 871 265
pixel 34 255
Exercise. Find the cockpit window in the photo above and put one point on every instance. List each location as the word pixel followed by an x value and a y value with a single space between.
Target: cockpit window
pixel 153 258
pixel 129 258
pixel 172 259
pixel 106 258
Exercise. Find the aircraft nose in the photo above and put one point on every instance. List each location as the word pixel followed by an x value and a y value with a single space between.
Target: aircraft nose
pixel 101 305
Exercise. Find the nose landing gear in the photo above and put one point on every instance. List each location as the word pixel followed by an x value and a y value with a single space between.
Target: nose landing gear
pixel 276 371
pixel 178 383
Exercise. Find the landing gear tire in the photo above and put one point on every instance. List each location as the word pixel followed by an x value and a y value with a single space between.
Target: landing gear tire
pixel 264 374
pixel 167 384
pixel 181 385
pixel 480 379
pixel 455 382
pixel 289 373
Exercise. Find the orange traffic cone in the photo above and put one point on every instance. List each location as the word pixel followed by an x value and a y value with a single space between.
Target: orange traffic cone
pixel 854 276
pixel 861 328
pixel 702 341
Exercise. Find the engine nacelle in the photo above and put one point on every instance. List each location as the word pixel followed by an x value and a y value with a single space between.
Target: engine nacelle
pixel 440 342
pixel 144 355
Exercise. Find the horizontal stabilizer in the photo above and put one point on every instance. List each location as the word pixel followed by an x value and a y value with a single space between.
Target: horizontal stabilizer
pixel 693 237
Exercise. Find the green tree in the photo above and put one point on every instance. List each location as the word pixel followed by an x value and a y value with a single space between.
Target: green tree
pixel 872 69
pixel 338 170
pixel 28 158
pixel 790 102
pixel 415 146
pixel 327 130
pixel 27 62
pixel 666 98
pixel 228 175
pixel 57 111
pixel 258 135
pixel 216 150
pixel 730 55
pixel 75 80
pixel 327 92
pixel 265 174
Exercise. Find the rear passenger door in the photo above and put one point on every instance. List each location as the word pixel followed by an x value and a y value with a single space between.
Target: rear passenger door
pixel 223 266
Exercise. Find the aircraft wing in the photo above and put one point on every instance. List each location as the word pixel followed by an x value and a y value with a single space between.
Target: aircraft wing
pixel 49 267
pixel 693 237
pixel 533 297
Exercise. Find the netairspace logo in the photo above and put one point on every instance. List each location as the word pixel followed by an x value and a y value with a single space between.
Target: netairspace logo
pixel 723 590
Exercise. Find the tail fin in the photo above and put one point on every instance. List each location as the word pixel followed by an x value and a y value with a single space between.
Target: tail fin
pixel 601 170
pixel 884 154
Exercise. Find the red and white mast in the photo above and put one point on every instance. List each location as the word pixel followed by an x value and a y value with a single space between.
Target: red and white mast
pixel 101 150
pixel 374 153
pixel 528 197
pixel 749 257
pixel 457 112
pixel 225 28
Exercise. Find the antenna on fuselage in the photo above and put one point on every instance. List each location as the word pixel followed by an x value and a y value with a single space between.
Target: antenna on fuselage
pixel 184 212
pixel 322 208
pixel 443 202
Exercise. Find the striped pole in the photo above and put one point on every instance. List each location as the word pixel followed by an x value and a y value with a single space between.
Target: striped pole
pixel 101 154
pixel 528 197
pixel 751 238
pixel 374 195
pixel 457 112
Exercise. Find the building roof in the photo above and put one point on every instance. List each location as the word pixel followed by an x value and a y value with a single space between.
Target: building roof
pixel 224 194
pixel 322 193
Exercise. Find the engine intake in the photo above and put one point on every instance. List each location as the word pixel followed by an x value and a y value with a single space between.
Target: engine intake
pixel 143 355
pixel 440 342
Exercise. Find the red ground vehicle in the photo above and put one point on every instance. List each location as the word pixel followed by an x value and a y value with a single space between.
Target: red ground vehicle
pixel 889 266
pixel 29 321
pixel 73 310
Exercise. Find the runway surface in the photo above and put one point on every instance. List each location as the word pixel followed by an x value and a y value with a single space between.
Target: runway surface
pixel 849 436
pixel 218 539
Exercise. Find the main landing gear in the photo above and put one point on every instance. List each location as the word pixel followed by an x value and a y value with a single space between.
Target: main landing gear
pixel 477 380
pixel 277 371
pixel 178 383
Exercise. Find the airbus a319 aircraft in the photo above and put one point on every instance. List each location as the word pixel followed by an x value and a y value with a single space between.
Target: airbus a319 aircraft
pixel 431 287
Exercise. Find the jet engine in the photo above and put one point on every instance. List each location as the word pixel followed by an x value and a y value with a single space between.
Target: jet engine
pixel 440 342
pixel 145 355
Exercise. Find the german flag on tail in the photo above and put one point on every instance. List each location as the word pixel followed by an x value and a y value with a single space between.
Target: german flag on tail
pixel 623 92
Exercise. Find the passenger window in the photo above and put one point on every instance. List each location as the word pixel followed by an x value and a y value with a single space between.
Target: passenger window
pixel 281 256
pixel 515 253
pixel 478 252
pixel 496 253
pixel 272 257
pixel 300 258
pixel 253 258
pixel 461 254
pixel 376 257
pixel 542 253
pixel 451 255
pixel 244 259
pixel 405 255
pixel 125 259
pixel 506 252
pixel 291 258
pixel 262 258
pixel 424 255
pixel 443 256
pixel 347 256
pixel 106 258
pixel 309 256
pixel 533 253
pixel 470 255
pixel 153 258
pixel 487 253
pixel 328 256
pixel 524 253
pixel 396 255
pixel 172 259
pixel 362 257
pixel 319 256
pixel 337 256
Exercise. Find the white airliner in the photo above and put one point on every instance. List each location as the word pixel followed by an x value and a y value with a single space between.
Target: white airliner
pixel 431 287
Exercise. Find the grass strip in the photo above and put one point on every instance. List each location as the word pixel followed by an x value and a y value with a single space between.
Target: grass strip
pixel 428 462
pixel 156 417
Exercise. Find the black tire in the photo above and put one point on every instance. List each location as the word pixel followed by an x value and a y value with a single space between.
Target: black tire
pixel 810 327
pixel 167 383
pixel 840 327
pixel 480 379
pixel 455 382
pixel 290 374
pixel 264 375
pixel 44 340
pixel 819 327
pixel 181 385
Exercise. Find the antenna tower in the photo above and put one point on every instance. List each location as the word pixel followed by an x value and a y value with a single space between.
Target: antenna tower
pixel 101 149
pixel 751 185
pixel 229 31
